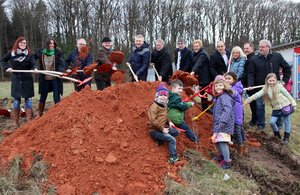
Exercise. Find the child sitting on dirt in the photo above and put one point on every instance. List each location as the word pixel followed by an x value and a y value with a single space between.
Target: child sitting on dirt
pixel 177 108
pixel 157 123
pixel 238 134
pixel 279 99
pixel 223 121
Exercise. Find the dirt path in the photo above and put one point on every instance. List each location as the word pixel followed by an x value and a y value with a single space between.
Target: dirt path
pixel 272 165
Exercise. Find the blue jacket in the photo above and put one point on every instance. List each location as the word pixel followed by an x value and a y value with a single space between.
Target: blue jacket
pixel 140 59
pixel 223 114
pixel 238 103
pixel 237 66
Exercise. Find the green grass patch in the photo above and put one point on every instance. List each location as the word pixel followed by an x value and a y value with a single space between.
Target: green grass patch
pixel 205 177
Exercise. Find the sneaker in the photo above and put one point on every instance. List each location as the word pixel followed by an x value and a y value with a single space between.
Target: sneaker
pixel 172 160
pixel 226 165
pixel 218 158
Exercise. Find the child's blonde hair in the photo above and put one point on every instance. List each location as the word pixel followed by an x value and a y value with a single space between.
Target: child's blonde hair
pixel 227 87
pixel 274 89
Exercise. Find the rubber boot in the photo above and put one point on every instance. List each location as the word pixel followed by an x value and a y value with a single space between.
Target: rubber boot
pixel 16 116
pixel 286 138
pixel 277 134
pixel 41 107
pixel 28 114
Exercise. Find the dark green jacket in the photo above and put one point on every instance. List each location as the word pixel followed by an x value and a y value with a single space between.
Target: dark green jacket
pixel 176 108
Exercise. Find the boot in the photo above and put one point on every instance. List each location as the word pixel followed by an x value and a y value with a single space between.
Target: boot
pixel 41 108
pixel 16 116
pixel 28 114
pixel 277 134
pixel 286 138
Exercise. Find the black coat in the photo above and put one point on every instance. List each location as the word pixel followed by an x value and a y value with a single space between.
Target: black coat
pixel 201 67
pixel 260 66
pixel 58 66
pixel 244 77
pixel 22 83
pixel 163 63
pixel 217 64
pixel 186 59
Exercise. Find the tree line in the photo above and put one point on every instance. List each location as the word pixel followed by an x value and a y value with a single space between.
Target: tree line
pixel 233 21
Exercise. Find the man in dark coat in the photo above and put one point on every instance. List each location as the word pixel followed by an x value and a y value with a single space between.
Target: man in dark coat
pixel 219 60
pixel 162 60
pixel 259 67
pixel 183 57
pixel 140 58
pixel 103 79
pixel 201 68
pixel 249 51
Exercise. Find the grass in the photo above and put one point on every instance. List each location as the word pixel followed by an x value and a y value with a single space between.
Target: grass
pixel 5 90
pixel 205 177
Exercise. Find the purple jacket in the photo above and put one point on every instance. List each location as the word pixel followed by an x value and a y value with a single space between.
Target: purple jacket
pixel 223 114
pixel 238 106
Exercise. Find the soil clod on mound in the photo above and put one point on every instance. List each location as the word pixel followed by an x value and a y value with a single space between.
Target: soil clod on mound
pixel 97 141
pixel 185 77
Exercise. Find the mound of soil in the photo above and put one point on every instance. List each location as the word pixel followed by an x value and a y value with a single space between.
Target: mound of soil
pixel 97 141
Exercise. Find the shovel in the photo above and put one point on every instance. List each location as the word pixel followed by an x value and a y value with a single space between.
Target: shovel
pixel 254 87
pixel 158 76
pixel 198 116
pixel 178 129
pixel 134 75
pixel 56 74
pixel 197 94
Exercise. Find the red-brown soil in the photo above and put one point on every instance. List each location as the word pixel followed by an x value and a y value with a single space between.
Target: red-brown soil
pixel 97 141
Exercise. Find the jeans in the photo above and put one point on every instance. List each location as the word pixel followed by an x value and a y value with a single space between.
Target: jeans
pixel 286 121
pixel 188 132
pixel 55 87
pixel 260 112
pixel 168 137
pixel 238 134
pixel 17 102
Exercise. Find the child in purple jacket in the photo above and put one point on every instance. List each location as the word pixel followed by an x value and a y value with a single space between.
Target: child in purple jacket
pixel 223 120
pixel 239 134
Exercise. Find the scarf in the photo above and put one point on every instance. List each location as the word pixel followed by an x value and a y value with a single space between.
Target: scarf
pixel 48 52
pixel 20 55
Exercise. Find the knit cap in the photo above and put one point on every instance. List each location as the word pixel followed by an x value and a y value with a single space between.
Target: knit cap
pixel 162 90
pixel 219 77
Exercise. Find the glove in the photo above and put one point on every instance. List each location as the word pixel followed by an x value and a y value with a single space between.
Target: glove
pixel 9 70
pixel 294 108
pixel 192 103
pixel 68 70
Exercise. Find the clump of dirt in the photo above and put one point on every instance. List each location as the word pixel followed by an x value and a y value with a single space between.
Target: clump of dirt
pixel 118 76
pixel 97 141
pixel 185 77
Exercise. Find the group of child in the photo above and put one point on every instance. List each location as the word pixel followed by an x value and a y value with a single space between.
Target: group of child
pixel 166 114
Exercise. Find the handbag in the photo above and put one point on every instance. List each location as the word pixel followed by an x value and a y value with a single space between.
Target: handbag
pixel 287 110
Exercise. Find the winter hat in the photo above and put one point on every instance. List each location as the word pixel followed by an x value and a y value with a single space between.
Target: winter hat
pixel 220 77
pixel 106 39
pixel 162 90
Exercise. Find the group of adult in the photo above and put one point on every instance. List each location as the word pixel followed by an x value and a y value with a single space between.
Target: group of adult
pixel 251 68
pixel 49 58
